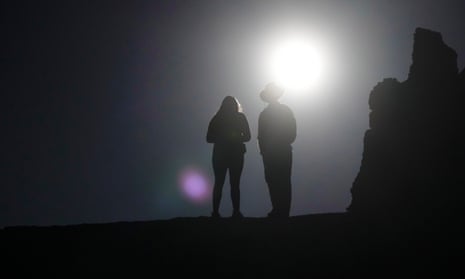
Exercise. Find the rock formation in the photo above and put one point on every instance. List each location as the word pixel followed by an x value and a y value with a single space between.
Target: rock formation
pixel 413 164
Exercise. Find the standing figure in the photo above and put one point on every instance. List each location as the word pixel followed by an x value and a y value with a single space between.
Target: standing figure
pixel 276 133
pixel 228 130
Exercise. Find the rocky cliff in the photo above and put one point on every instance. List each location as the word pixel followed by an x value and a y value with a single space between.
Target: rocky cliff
pixel 413 164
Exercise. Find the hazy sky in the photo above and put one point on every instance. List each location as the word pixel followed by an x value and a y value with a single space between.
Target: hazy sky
pixel 105 105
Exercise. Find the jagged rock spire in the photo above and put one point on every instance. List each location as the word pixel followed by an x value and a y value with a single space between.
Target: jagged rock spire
pixel 431 58
pixel 414 151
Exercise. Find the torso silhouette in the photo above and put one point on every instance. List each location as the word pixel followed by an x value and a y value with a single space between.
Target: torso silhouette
pixel 276 128
pixel 228 132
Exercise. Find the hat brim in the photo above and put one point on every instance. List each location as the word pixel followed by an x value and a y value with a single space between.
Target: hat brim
pixel 271 94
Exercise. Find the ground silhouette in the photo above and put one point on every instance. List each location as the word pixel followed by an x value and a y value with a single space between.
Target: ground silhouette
pixel 334 245
pixel 405 219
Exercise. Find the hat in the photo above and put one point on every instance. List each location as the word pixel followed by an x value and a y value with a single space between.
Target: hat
pixel 271 93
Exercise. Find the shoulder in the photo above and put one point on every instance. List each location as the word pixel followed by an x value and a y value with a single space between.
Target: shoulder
pixel 214 118
pixel 241 115
pixel 286 109
pixel 268 109
pixel 264 112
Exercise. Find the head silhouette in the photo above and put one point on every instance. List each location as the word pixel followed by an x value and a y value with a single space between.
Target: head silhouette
pixel 230 105
pixel 271 93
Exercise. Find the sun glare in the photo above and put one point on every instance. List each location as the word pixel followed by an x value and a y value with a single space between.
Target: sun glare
pixel 295 64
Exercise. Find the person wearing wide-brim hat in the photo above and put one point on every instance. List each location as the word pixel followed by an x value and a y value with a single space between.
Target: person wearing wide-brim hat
pixel 271 93
pixel 276 133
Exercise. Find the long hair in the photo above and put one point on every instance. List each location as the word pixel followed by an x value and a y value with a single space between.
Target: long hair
pixel 230 105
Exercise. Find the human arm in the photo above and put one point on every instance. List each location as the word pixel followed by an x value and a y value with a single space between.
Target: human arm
pixel 211 132
pixel 245 129
pixel 292 128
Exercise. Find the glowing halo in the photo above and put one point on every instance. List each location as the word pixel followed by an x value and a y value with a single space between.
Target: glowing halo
pixel 294 63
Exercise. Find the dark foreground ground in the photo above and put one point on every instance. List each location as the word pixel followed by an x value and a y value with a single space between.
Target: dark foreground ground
pixel 333 245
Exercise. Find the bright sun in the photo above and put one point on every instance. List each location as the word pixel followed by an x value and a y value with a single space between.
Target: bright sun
pixel 295 64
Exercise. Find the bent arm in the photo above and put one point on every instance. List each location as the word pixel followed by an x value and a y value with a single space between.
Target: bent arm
pixel 211 133
pixel 292 129
pixel 245 133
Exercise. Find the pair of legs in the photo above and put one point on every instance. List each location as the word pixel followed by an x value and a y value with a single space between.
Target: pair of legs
pixel 278 167
pixel 221 164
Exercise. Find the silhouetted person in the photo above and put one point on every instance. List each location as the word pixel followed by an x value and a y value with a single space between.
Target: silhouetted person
pixel 228 130
pixel 276 133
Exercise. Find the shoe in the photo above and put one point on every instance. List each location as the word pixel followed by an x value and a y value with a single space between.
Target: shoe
pixel 237 215
pixel 278 215
pixel 216 215
pixel 272 214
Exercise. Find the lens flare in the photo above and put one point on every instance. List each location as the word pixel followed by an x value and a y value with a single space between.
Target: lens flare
pixel 194 185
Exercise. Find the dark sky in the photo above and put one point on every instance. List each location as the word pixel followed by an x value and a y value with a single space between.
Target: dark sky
pixel 105 104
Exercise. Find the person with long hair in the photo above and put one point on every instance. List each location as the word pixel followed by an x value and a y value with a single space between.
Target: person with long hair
pixel 228 130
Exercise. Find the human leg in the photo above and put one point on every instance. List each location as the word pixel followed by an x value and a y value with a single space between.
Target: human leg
pixel 270 178
pixel 235 172
pixel 284 194
pixel 219 168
